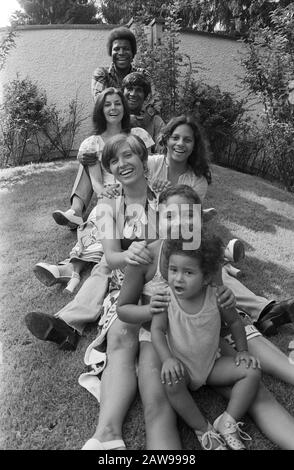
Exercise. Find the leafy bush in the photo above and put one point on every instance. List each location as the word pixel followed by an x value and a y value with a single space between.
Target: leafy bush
pixel 30 128
pixel 173 74
pixel 166 64
pixel 269 70
pixel 219 113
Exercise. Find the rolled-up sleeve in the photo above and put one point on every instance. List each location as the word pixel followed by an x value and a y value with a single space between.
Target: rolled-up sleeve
pixel 99 82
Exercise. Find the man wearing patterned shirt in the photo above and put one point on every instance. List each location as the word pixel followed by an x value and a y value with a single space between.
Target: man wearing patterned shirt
pixel 122 47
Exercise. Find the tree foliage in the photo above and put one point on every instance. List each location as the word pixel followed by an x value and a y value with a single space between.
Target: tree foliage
pixel 232 16
pixel 7 43
pixel 56 12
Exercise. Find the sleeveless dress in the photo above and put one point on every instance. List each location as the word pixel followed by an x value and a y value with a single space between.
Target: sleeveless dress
pixel 194 338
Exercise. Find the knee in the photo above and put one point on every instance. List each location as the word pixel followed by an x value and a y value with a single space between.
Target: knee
pixel 254 375
pixel 124 339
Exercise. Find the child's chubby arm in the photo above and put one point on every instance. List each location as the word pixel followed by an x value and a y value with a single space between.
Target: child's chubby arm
pixel 225 297
pixel 172 370
pixel 231 317
pixel 128 309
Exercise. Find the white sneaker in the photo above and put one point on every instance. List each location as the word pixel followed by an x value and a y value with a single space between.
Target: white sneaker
pixel 211 440
pixel 67 218
pixel 235 250
pixel 232 433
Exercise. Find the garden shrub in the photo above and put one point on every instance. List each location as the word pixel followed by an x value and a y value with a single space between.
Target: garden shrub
pixel 30 128
pixel 173 74
pixel 269 71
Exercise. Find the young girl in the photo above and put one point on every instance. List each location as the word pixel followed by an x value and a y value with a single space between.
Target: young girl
pixel 273 420
pixel 189 353
pixel 110 117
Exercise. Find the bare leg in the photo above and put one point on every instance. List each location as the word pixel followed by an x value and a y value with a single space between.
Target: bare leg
pixel 272 419
pixel 77 266
pixel 244 382
pixel 182 401
pixel 119 381
pixel 160 418
pixel 273 360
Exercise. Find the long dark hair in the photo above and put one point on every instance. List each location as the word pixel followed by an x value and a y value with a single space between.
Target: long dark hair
pixel 99 121
pixel 200 156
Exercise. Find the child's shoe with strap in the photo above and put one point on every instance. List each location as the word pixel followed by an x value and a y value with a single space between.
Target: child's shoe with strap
pixel 211 439
pixel 231 431
pixel 73 283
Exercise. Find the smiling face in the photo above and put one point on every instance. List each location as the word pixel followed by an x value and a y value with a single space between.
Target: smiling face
pixel 126 166
pixel 180 144
pixel 185 276
pixel 135 98
pixel 113 109
pixel 121 54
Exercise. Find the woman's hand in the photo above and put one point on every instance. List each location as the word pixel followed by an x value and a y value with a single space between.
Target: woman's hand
pixel 138 253
pixel 159 185
pixel 88 158
pixel 249 360
pixel 172 371
pixel 225 297
pixel 110 192
pixel 159 302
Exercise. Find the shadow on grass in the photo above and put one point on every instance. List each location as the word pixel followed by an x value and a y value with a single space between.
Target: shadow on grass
pixel 43 406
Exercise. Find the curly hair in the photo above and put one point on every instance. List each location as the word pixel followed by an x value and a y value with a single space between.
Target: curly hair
pixel 200 156
pixel 209 255
pixel 99 120
pixel 115 143
pixel 137 79
pixel 122 33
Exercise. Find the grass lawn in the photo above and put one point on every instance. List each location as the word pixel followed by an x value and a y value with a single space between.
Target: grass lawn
pixel 42 404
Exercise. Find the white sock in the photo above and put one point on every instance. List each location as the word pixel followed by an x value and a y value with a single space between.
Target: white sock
pixel 199 433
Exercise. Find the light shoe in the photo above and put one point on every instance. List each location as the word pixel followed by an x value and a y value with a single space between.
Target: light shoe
pixel 67 218
pixel 234 251
pixel 49 274
pixel 73 283
pixel 232 433
pixel 209 439
pixel 232 270
pixel 94 444
pixel 209 214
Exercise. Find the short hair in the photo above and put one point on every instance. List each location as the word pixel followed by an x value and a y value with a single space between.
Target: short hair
pixel 115 143
pixel 137 79
pixel 200 156
pixel 99 120
pixel 179 190
pixel 122 33
pixel 209 255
